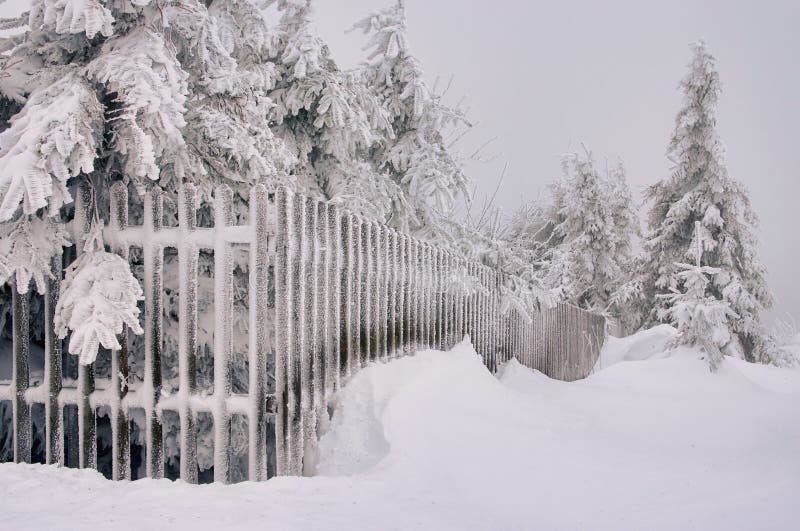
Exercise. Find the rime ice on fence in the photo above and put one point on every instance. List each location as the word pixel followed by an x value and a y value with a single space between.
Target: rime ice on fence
pixel 329 292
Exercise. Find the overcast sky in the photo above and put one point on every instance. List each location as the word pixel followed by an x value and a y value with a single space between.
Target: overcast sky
pixel 546 76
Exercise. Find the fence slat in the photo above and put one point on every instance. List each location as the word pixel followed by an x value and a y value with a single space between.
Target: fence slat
pixel 120 438
pixel 333 257
pixel 54 437
pixel 386 275
pixel 87 421
pixel 307 215
pixel 349 295
pixel 187 331
pixel 153 255
pixel 284 336
pixel 260 209
pixel 223 328
pixel 393 292
pixel 376 270
pixel 407 322
pixel 20 315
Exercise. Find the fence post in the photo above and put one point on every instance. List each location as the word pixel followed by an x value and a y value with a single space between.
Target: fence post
pixel 375 271
pixel 54 438
pixel 120 440
pixel 409 308
pixel 333 258
pixel 349 295
pixel 187 335
pixel 153 254
pixel 20 304
pixel 386 275
pixel 260 209
pixel 223 327
pixel 305 326
pixel 393 292
pixel 317 314
pixel 87 422
pixel 284 332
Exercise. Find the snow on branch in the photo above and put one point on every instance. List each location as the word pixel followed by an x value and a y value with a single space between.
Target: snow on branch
pixel 141 69
pixel 74 16
pixel 26 247
pixel 98 296
pixel 53 138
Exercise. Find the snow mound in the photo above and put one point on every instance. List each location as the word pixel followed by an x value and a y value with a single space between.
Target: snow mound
pixel 644 345
pixel 375 409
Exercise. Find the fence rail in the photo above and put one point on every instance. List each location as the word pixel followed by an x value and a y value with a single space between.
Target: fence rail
pixel 329 292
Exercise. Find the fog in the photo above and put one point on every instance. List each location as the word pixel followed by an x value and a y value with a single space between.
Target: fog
pixel 544 77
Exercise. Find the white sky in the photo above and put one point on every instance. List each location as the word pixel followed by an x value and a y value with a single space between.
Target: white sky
pixel 545 76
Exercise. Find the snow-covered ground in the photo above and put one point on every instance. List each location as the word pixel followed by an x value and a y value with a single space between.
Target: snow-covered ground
pixel 437 442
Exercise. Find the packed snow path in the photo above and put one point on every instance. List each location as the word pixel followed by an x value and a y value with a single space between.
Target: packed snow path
pixel 436 442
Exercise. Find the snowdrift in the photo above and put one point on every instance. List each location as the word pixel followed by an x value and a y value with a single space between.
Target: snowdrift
pixel 437 442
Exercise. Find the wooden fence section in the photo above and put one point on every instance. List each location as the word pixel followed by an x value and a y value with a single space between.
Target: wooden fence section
pixel 329 292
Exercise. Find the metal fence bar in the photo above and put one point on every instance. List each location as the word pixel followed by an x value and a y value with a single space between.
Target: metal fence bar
pixel 393 292
pixel 187 334
pixel 87 421
pixel 120 437
pixel 305 327
pixel 54 437
pixel 260 210
pixel 316 315
pixel 367 292
pixel 223 331
pixel 408 315
pixel 153 255
pixel 284 336
pixel 21 411
pixel 375 271
pixel 349 296
pixel 333 258
pixel 295 305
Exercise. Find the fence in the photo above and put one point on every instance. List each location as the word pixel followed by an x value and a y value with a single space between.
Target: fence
pixel 328 293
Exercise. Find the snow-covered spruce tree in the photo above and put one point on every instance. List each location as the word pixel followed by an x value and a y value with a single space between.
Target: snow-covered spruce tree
pixel 702 319
pixel 593 223
pixel 329 119
pixel 417 158
pixel 701 190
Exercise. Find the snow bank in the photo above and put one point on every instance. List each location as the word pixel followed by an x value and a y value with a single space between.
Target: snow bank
pixel 437 442
pixel 645 345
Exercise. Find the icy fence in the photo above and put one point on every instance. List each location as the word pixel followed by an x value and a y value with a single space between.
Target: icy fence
pixel 328 293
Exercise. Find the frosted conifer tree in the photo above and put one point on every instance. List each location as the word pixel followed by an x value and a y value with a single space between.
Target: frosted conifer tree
pixel 328 119
pixel 700 190
pixel 417 157
pixel 592 226
pixel 702 319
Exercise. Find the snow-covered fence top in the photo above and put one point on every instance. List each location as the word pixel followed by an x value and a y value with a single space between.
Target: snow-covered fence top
pixel 328 293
